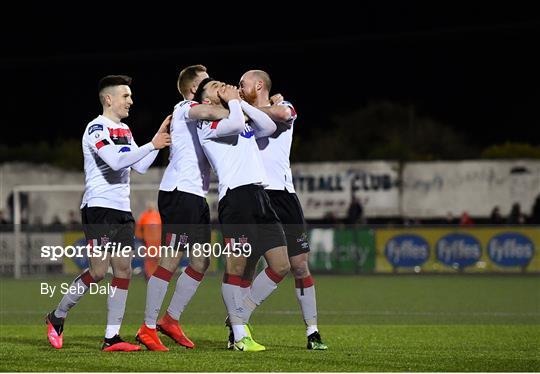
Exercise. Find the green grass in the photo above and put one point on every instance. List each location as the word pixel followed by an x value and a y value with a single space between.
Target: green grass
pixel 371 323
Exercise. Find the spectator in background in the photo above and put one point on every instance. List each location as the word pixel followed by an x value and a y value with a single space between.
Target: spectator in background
pixel 3 220
pixel 148 229
pixel 72 218
pixel 355 213
pixel 496 218
pixel 466 219
pixel 535 213
pixel 450 219
pixel 23 196
pixel 330 218
pixel 72 221
pixel 516 217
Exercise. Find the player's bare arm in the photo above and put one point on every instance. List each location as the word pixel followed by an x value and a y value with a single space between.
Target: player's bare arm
pixel 208 112
pixel 279 113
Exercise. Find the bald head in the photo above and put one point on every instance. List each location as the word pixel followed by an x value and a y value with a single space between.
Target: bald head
pixel 261 76
pixel 255 86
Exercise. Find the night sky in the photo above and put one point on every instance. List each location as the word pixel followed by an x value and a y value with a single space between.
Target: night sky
pixel 475 69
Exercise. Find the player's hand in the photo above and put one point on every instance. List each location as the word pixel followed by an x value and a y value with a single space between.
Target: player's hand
pixel 165 125
pixel 276 99
pixel 228 93
pixel 161 140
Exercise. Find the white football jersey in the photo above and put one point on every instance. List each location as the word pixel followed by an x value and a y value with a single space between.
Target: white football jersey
pixel 188 168
pixel 105 187
pixel 236 160
pixel 275 152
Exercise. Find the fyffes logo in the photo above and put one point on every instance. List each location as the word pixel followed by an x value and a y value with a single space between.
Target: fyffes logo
pixel 458 250
pixel 407 250
pixel 510 249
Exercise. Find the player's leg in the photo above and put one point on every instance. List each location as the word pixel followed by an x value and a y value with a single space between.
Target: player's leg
pixel 246 281
pixel 198 233
pixel 236 215
pixel 156 290
pixel 272 243
pixel 290 212
pixel 305 294
pixel 98 265
pixel 181 214
pixel 124 233
pixel 157 285
pixel 187 284
pixel 231 290
pixel 267 280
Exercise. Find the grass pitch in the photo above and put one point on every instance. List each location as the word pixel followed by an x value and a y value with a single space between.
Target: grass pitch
pixel 370 323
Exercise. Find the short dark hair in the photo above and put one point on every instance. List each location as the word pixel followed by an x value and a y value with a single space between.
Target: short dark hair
pixel 186 77
pixel 113 80
pixel 200 90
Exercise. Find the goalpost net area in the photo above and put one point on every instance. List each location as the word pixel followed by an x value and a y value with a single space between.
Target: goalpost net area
pixel 49 215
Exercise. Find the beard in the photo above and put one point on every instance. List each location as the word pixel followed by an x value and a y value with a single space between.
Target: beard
pixel 249 96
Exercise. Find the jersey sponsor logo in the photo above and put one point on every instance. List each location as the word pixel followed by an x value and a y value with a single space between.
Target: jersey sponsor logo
pixel 247 133
pixel 511 249
pixel 124 149
pixel 102 143
pixel 458 250
pixel 120 136
pixel 407 250
pixel 93 128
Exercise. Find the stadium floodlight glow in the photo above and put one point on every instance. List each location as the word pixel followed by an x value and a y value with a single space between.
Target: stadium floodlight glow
pixel 17 190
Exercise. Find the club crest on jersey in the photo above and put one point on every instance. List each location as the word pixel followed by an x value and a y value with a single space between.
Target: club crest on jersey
pixel 248 132
pixel 183 239
pixel 104 240
pixel 124 149
pixel 93 128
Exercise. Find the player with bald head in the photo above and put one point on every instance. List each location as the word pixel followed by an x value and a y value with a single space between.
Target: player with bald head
pixel 255 86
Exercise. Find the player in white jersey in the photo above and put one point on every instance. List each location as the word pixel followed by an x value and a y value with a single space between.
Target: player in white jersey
pixel 245 213
pixel 275 149
pixel 184 214
pixel 110 152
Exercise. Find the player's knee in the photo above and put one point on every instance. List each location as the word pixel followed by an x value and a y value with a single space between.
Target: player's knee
pixel 169 263
pixel 236 269
pixel 122 272
pixel 97 275
pixel 300 270
pixel 199 264
pixel 282 269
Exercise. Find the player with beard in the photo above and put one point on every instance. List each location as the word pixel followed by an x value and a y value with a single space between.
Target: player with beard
pixel 255 86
